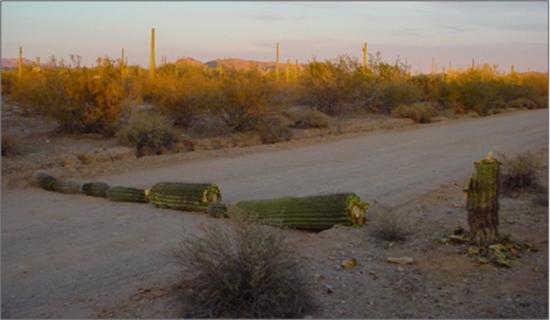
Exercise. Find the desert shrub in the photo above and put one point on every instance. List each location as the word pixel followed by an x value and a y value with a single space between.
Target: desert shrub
pixel 247 271
pixel 274 129
pixel 79 99
pixel 397 92
pixel 243 99
pixel 522 103
pixel 389 229
pixel 8 80
pixel 148 132
pixel 10 146
pixel 184 95
pixel 208 125
pixel 519 172
pixel 541 101
pixel 308 118
pixel 418 112
pixel 329 85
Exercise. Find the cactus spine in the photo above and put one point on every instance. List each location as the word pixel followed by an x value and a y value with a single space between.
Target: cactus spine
pixel 277 61
pixel 482 201
pixel 313 213
pixel 152 67
pixel 20 62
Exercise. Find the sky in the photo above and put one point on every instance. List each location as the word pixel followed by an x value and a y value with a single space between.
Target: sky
pixel 501 33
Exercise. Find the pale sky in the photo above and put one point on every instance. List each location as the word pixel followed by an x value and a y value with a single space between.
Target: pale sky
pixel 501 33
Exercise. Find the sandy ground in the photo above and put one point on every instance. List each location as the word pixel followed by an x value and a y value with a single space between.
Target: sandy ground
pixel 77 256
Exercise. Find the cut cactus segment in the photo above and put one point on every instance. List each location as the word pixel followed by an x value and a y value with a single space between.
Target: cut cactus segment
pixel 66 186
pixel 315 213
pixel 184 196
pixel 45 181
pixel 126 194
pixel 95 189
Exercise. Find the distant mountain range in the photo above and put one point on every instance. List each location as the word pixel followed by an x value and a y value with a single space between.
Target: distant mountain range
pixel 230 63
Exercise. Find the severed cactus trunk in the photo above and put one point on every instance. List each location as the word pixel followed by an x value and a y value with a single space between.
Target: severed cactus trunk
pixel 315 213
pixel 184 196
pixel 126 194
pixel 482 201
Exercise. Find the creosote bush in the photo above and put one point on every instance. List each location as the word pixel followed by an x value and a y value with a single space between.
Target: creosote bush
pixel 242 271
pixel 274 129
pixel 418 112
pixel 306 119
pixel 520 172
pixel 150 133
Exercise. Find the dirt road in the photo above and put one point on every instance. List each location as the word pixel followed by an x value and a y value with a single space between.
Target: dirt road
pixel 67 256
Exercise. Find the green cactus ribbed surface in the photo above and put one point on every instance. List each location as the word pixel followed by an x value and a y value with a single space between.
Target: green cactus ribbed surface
pixel 126 194
pixel 66 186
pixel 184 196
pixel 313 213
pixel 45 181
pixel 95 189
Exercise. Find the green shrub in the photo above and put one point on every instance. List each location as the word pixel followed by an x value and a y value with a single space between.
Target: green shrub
pixel 305 119
pixel 418 112
pixel 398 92
pixel 274 129
pixel 520 172
pixel 247 271
pixel 522 103
pixel 149 132
pixel 542 102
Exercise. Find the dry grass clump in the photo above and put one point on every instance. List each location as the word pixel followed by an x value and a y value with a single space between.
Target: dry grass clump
pixel 520 172
pixel 248 271
pixel 10 145
pixel 418 112
pixel 305 119
pixel 390 229
pixel 149 132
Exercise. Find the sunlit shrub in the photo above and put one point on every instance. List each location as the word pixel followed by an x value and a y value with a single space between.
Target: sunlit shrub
pixel 305 119
pixel 522 103
pixel 274 129
pixel 418 112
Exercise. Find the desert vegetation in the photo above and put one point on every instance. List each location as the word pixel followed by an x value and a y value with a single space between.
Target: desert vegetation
pixel 207 101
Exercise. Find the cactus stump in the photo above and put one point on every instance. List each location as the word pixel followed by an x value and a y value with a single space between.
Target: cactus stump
pixel 482 201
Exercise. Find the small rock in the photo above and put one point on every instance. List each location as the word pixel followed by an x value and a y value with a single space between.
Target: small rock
pixel 329 289
pixel 349 263
pixel 400 260
pixel 400 269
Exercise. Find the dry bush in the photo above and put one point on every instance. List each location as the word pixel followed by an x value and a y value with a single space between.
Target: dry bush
pixel 389 229
pixel 208 125
pixel 520 172
pixel 10 146
pixel 148 132
pixel 522 103
pixel 79 99
pixel 274 129
pixel 418 112
pixel 305 119
pixel 248 271
pixel 244 99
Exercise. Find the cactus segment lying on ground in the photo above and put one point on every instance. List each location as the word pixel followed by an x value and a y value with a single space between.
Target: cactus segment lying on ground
pixel 95 189
pixel 126 194
pixel 45 181
pixel 313 213
pixel 184 196
pixel 66 186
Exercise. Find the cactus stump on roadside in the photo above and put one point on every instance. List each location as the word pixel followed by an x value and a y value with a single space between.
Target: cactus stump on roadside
pixel 482 201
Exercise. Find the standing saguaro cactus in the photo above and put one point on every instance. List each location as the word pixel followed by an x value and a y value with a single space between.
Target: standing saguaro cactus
pixel 20 62
pixel 152 66
pixel 277 62
pixel 482 201
pixel 365 55
pixel 287 71
pixel 122 63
